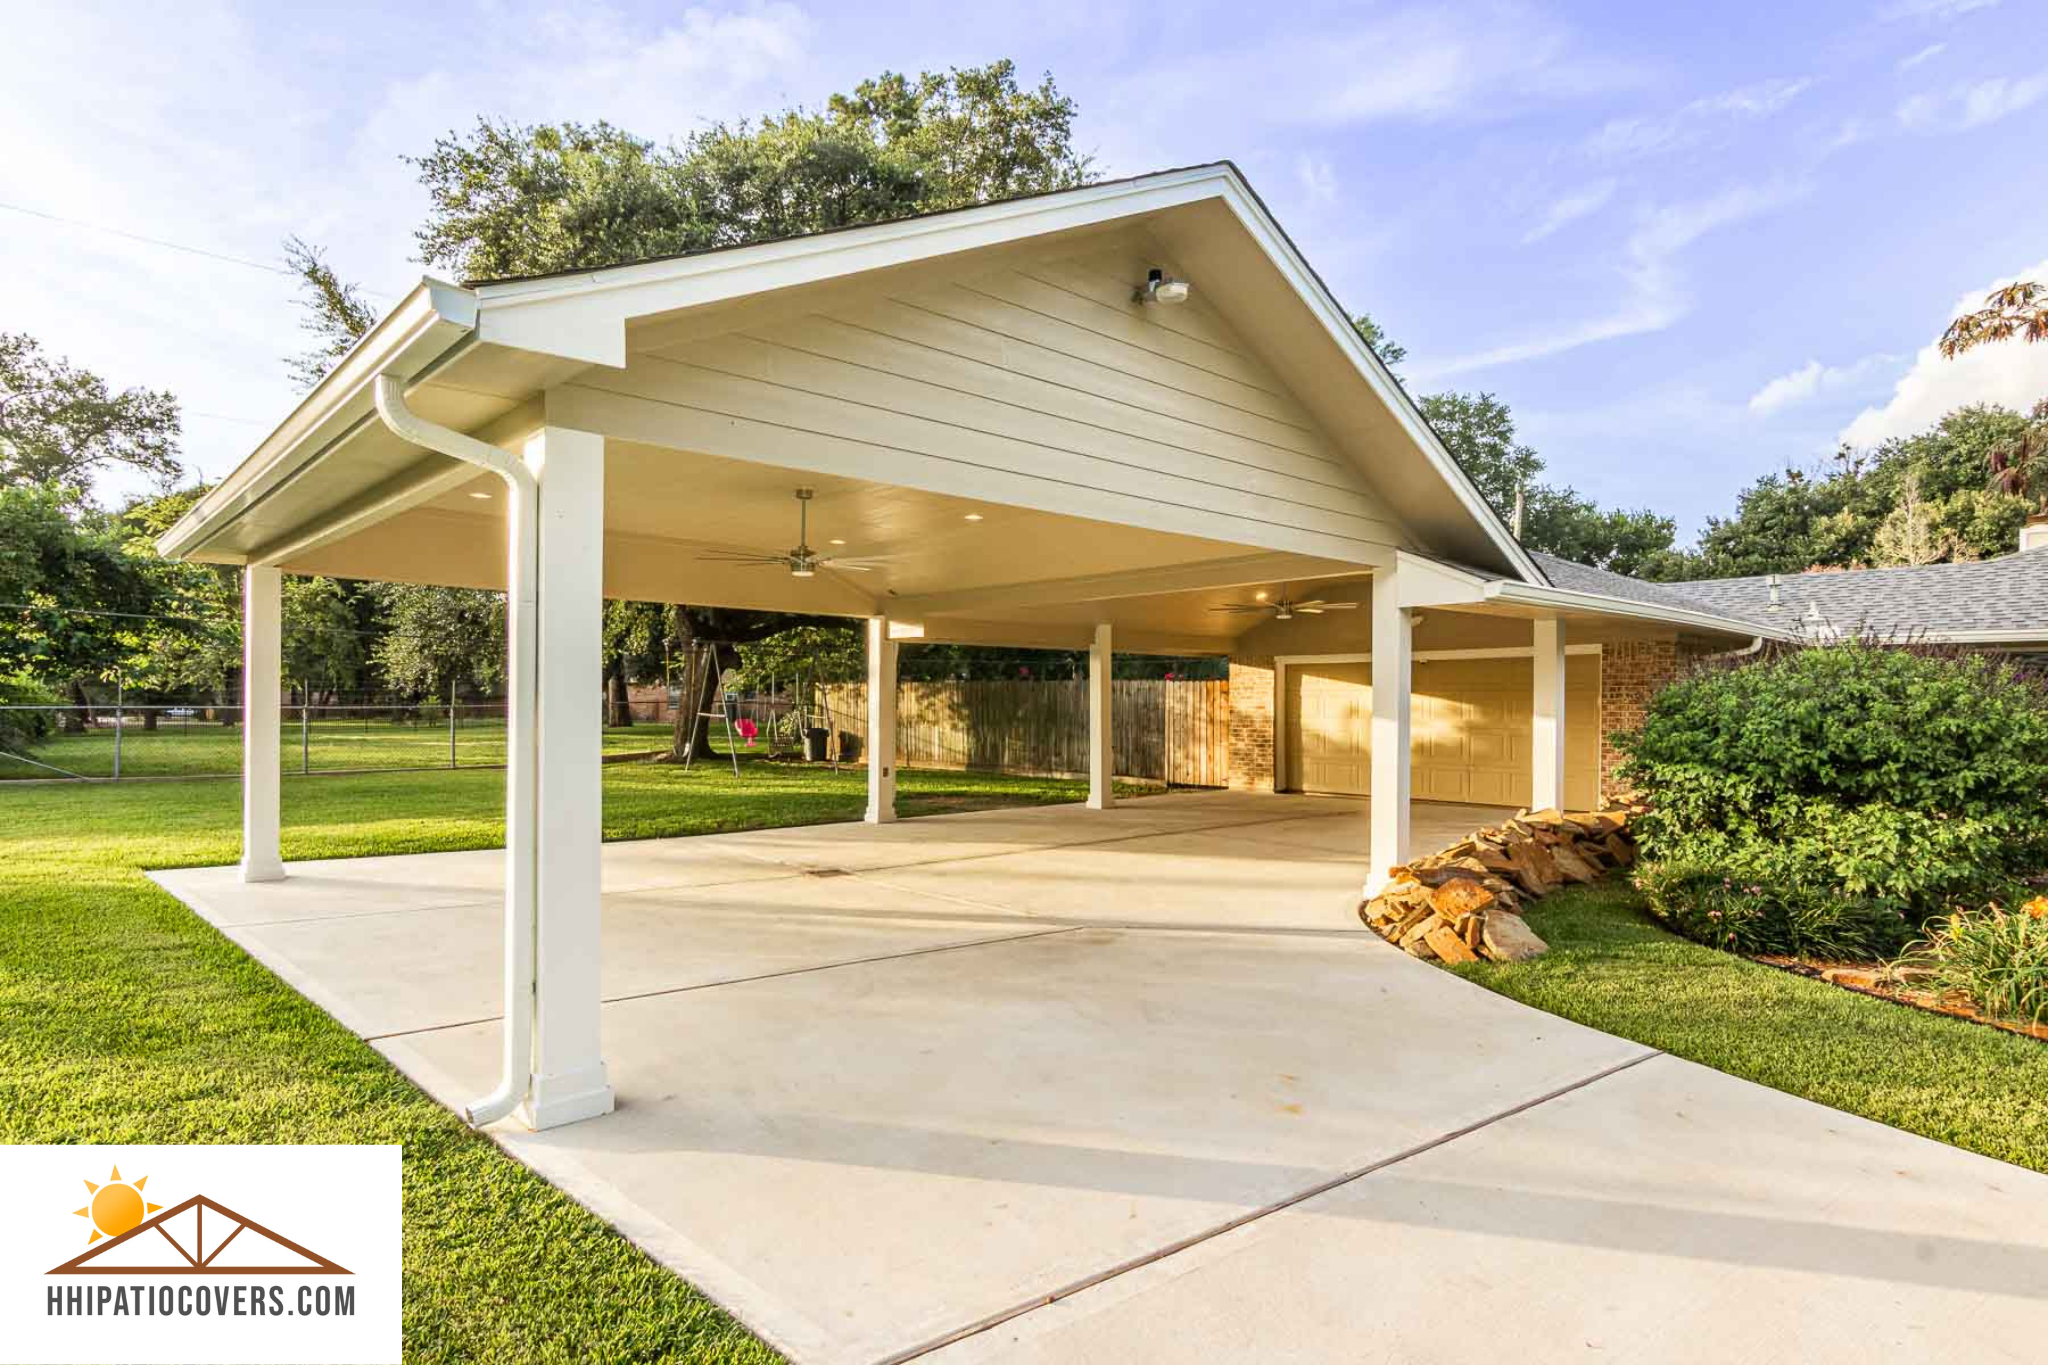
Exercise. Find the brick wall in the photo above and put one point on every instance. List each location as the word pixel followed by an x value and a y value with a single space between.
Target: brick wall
pixel 1631 672
pixel 1251 724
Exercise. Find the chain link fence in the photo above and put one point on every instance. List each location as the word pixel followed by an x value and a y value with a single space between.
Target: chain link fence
pixel 126 742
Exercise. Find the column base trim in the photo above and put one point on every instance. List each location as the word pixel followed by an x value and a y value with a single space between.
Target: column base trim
pixel 262 870
pixel 568 1098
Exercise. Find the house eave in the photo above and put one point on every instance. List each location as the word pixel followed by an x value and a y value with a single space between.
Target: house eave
pixel 428 327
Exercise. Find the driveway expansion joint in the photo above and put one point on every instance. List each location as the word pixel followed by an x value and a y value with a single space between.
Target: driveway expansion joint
pixel 1174 1248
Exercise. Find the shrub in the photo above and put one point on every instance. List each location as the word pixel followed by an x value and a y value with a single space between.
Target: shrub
pixel 1829 800
pixel 1998 958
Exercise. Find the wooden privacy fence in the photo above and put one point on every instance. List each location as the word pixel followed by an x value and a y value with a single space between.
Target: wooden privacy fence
pixel 1177 732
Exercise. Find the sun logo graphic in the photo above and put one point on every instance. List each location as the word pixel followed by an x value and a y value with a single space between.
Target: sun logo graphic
pixel 186 1241
pixel 116 1207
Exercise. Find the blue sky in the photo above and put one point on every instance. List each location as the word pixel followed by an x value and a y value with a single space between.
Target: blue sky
pixel 1688 244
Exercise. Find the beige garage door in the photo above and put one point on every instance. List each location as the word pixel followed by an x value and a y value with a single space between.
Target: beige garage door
pixel 1469 735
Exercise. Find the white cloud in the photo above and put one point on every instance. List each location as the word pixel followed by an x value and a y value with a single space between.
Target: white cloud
pixel 1923 56
pixel 1690 124
pixel 1936 10
pixel 1318 178
pixel 1972 105
pixel 1655 292
pixel 1814 379
pixel 2013 372
pixel 1570 208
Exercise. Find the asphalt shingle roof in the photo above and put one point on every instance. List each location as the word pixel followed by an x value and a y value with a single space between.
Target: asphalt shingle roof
pixel 2008 595
pixel 1563 573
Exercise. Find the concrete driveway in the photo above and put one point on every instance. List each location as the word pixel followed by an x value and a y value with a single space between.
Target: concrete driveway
pixel 1063 1085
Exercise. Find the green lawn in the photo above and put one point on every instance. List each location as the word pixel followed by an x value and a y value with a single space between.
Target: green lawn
pixel 125 1018
pixel 1611 967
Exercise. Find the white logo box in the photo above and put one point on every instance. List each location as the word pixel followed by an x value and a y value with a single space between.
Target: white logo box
pixel 231 1254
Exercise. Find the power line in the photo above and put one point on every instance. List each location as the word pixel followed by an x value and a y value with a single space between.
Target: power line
pixel 220 256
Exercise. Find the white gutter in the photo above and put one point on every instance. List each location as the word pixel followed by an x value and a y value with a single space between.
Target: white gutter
pixel 1566 599
pixel 521 811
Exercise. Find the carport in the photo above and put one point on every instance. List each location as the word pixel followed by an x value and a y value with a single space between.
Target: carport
pixel 1088 419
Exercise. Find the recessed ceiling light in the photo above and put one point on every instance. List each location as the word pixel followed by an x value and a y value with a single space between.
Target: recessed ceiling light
pixel 1259 596
pixel 485 496
pixel 838 542
pixel 974 516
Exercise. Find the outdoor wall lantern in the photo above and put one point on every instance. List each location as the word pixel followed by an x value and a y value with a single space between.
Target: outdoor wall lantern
pixel 1160 287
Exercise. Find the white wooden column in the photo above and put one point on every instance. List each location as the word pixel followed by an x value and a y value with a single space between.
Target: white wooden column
pixel 262 717
pixel 1101 750
pixel 881 722
pixel 1392 677
pixel 1546 730
pixel 569 1080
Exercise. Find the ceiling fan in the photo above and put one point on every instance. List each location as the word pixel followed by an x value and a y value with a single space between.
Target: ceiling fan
pixel 803 561
pixel 1284 610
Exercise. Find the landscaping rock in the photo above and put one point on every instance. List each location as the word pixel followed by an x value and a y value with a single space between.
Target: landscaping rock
pixel 1463 904
pixel 1460 896
pixel 1508 939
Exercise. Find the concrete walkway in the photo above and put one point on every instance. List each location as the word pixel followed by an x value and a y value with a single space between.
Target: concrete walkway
pixel 1062 1085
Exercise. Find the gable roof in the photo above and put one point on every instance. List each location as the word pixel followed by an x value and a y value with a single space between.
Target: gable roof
pixel 1989 601
pixel 515 337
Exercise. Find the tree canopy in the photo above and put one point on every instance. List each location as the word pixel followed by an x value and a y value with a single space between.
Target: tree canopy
pixel 63 425
pixel 508 199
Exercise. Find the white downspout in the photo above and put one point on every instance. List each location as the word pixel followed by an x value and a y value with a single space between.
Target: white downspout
pixel 521 809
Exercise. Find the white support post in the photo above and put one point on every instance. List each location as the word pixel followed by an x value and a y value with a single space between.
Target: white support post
pixel 1546 730
pixel 569 1080
pixel 1101 751
pixel 1392 679
pixel 881 722
pixel 262 720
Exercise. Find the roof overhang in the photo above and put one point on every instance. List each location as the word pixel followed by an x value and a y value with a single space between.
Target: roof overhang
pixel 496 345
pixel 1428 583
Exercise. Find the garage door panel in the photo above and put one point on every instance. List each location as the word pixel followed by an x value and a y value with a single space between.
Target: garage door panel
pixel 1470 729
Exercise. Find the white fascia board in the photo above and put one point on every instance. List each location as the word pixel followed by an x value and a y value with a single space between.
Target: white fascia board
pixel 583 316
pixel 1599 604
pixel 2023 638
pixel 1310 288
pixel 1424 582
pixel 426 326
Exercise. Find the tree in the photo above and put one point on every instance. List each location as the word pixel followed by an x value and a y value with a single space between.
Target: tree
pixel 192 641
pixel 440 638
pixel 71 593
pixel 1829 516
pixel 513 200
pixel 2017 309
pixel 2019 465
pixel 1390 352
pixel 62 425
pixel 336 313
pixel 1479 431
pixel 321 646
pixel 635 649
pixel 1911 535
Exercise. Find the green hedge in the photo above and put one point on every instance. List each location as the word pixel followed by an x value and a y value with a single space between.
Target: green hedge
pixel 1829 800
